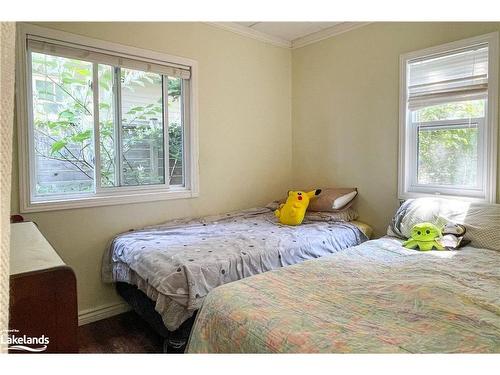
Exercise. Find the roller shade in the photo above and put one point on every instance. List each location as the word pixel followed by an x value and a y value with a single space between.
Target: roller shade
pixel 103 57
pixel 455 76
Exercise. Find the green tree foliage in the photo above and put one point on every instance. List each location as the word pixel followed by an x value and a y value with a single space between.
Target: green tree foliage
pixel 448 156
pixel 63 113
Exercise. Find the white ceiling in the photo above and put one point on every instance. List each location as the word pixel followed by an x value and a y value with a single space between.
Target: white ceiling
pixel 288 31
pixel 289 34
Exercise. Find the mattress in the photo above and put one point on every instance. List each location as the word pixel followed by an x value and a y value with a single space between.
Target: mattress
pixel 178 263
pixel 377 297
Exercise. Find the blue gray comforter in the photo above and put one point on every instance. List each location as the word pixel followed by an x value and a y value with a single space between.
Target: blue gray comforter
pixel 177 264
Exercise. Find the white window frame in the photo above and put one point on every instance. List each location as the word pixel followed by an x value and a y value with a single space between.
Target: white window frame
pixel 488 131
pixel 108 196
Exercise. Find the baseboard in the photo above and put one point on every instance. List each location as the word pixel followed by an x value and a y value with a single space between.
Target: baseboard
pixel 102 312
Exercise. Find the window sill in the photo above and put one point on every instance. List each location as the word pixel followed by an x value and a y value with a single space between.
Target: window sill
pixel 413 194
pixel 107 200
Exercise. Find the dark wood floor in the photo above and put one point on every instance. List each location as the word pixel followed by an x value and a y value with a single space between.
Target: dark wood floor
pixel 124 333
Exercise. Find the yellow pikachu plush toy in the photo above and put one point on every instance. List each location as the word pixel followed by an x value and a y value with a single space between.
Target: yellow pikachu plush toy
pixel 292 212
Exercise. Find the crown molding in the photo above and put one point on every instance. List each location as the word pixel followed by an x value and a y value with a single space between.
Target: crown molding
pixel 251 33
pixel 296 43
pixel 327 33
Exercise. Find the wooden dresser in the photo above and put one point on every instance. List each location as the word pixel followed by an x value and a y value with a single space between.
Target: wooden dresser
pixel 42 292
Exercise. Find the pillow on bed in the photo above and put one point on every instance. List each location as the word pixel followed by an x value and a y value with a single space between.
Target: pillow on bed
pixel 348 214
pixel 273 205
pixel 481 220
pixel 333 200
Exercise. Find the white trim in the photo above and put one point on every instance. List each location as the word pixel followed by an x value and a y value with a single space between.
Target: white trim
pixel 166 150
pixel 22 118
pixel 97 130
pixel 192 168
pixel 118 142
pixel 280 42
pixel 327 33
pixel 252 33
pixel 490 128
pixel 102 312
pixel 110 196
pixel 108 200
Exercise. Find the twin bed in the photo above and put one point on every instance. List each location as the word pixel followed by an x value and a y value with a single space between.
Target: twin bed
pixel 361 297
pixel 166 271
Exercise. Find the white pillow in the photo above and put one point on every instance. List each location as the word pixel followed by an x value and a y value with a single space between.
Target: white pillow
pixel 482 220
pixel 342 201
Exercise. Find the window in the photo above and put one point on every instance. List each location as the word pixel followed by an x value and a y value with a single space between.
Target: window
pixel 102 126
pixel 448 120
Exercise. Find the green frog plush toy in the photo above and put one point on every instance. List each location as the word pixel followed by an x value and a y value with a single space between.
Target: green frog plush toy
pixel 424 236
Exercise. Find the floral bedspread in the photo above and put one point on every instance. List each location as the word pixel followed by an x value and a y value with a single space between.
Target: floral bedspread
pixel 377 297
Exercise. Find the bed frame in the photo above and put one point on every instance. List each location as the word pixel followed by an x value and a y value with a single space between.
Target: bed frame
pixel 173 341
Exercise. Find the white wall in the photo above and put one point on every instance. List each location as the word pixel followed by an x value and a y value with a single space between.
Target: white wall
pixel 345 109
pixel 245 141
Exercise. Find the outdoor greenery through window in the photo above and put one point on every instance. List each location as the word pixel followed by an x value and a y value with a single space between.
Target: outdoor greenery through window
pixel 446 126
pixel 63 124
pixel 448 147
pixel 140 120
